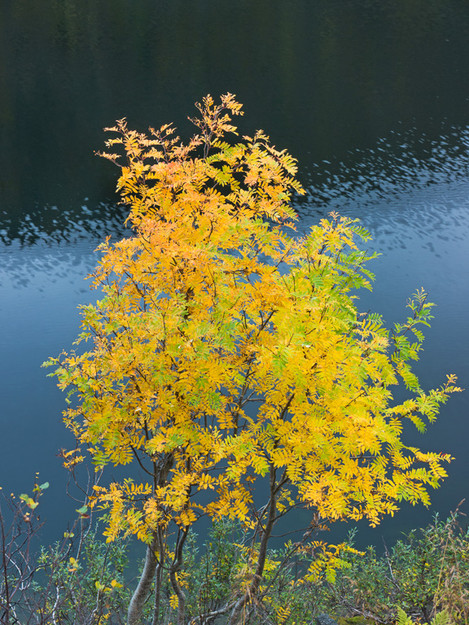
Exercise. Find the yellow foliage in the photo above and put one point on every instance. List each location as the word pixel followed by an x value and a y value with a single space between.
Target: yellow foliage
pixel 227 351
pixel 282 613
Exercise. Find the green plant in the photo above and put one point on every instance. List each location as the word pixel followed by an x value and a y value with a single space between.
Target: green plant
pixel 82 583
pixel 19 525
pixel 77 581
pixel 355 620
pixel 424 573
pixel 442 618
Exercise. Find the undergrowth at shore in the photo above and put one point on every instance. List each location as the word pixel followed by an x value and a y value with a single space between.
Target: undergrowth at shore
pixel 422 578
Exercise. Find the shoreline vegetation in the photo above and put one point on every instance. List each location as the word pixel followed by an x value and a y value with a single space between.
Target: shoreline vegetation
pixel 227 370
pixel 423 578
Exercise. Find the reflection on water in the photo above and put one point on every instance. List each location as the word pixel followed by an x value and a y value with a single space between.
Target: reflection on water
pixel 323 78
pixel 405 190
pixel 368 184
pixel 402 161
pixel 51 225
pixel 432 218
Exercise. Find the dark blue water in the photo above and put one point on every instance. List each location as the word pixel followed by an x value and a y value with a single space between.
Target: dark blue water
pixel 372 97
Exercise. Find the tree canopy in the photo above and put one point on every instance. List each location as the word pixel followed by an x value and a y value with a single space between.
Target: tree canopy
pixel 227 357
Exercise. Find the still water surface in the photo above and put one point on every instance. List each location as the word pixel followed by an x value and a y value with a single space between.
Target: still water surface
pixel 372 97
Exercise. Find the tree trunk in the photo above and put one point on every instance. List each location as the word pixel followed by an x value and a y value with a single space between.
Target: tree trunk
pixel 236 614
pixel 175 567
pixel 156 603
pixel 135 611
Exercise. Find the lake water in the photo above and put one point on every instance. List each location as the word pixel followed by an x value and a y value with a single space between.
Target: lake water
pixel 372 97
